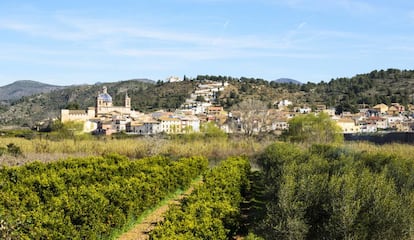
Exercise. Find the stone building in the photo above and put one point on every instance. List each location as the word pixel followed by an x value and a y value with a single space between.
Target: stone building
pixel 104 111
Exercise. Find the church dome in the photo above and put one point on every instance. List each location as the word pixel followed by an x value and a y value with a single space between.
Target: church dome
pixel 105 97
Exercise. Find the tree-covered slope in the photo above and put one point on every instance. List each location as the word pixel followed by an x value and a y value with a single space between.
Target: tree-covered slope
pixel 345 94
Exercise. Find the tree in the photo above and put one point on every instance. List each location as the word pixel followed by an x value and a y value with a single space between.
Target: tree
pixel 310 129
pixel 73 106
pixel 211 130
pixel 200 98
pixel 253 115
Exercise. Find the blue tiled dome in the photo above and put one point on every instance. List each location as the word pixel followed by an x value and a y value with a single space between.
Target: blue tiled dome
pixel 105 97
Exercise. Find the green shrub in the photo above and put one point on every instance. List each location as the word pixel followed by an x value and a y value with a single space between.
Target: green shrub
pixel 14 149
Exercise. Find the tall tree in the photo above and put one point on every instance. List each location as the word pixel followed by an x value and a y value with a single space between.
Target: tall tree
pixel 253 115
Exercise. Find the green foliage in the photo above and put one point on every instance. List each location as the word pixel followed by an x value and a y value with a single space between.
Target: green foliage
pixel 212 210
pixel 11 149
pixel 87 198
pixel 200 98
pixel 334 193
pixel 67 130
pixel 211 130
pixel 19 133
pixel 310 128
pixel 72 106
pixel 14 149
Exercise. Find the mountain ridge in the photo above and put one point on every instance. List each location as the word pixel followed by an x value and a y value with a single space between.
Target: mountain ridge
pixel 22 88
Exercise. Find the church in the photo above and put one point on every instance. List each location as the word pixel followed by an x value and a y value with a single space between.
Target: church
pixel 103 112
pixel 105 108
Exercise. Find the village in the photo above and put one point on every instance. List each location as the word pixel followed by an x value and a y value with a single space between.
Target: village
pixel 201 107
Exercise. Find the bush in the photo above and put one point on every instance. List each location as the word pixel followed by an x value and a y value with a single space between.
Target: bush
pixel 14 150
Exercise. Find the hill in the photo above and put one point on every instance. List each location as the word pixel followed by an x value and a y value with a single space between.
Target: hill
pixel 23 88
pixel 343 94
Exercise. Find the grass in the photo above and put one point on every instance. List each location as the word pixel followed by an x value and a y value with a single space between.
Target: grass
pixel 44 150
pixel 403 150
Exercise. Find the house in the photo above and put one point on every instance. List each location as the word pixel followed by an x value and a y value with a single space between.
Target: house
pixel 172 79
pixel 400 108
pixel 284 104
pixel 380 108
pixel 348 125
pixel 169 124
pixel 395 122
pixel 214 110
pixel 280 124
pixel 393 111
pixel 304 110
pixel 380 122
pixel 367 127
pixel 190 124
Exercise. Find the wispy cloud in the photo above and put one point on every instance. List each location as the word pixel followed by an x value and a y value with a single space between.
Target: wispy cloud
pixel 350 6
pixel 110 36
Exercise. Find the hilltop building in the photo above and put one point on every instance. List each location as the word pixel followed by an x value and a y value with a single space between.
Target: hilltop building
pixel 172 79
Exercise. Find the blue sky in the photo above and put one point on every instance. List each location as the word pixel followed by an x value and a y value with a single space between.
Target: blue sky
pixel 77 41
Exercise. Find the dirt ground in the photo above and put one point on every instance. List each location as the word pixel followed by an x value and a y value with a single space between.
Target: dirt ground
pixel 141 230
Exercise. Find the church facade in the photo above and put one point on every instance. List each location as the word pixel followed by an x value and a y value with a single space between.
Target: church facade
pixel 104 106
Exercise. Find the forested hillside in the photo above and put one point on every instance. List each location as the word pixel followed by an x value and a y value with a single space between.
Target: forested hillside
pixel 345 94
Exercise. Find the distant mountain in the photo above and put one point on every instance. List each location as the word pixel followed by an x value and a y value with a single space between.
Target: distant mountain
pixel 143 80
pixel 24 88
pixel 287 80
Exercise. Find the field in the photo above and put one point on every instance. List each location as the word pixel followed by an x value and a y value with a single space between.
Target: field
pixel 43 150
pixel 256 189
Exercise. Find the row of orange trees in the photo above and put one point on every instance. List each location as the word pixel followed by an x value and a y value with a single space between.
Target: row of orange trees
pixel 86 198
pixel 212 211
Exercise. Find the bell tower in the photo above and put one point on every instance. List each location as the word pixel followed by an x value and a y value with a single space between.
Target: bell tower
pixel 127 101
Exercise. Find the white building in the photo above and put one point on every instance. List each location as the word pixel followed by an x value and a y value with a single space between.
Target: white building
pixel 172 79
pixel 284 104
pixel 190 124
